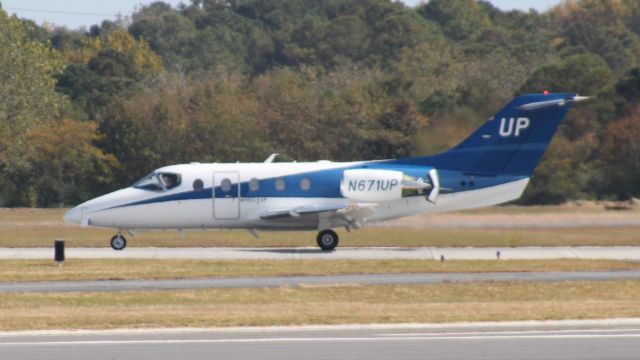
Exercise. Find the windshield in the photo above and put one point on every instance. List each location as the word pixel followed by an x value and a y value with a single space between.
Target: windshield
pixel 158 182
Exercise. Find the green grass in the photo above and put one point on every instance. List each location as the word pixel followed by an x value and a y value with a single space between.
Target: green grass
pixel 321 305
pixel 127 269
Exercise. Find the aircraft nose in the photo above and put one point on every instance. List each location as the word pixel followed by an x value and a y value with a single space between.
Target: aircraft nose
pixel 74 215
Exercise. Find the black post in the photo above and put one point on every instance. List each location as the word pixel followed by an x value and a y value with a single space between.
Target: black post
pixel 59 252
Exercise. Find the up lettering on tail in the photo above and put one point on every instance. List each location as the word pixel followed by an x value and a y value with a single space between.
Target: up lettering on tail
pixel 513 127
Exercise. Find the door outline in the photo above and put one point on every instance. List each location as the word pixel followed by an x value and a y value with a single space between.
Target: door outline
pixel 227 207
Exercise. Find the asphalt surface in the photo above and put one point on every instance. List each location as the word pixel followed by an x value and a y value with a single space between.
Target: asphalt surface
pixel 341 253
pixel 542 340
pixel 301 281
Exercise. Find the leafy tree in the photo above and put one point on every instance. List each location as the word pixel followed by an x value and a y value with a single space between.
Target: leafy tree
pixel 105 68
pixel 70 167
pixel 167 31
pixel 27 93
pixel 585 74
pixel 618 48
pixel 178 120
pixel 621 159
pixel 628 88
pixel 224 80
pixel 459 19
pixel 565 173
pixel 290 114
pixel 42 158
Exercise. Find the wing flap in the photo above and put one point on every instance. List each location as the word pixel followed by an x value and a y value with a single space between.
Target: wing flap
pixel 299 211
pixel 350 213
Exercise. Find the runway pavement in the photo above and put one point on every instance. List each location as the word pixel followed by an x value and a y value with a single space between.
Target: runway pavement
pixel 302 281
pixel 341 253
pixel 608 339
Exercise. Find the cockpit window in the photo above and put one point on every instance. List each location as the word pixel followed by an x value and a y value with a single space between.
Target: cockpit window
pixel 149 182
pixel 170 180
pixel 158 182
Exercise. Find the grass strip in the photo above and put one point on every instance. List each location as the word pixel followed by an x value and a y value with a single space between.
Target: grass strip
pixel 130 269
pixel 322 305
pixel 40 227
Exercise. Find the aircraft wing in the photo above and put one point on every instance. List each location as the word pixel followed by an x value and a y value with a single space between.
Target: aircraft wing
pixel 352 215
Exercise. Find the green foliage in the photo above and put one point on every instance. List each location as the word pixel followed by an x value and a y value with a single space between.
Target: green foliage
pixel 65 158
pixel 628 88
pixel 222 80
pixel 621 155
pixel 27 95
pixel 461 20
pixel 104 68
pixel 584 74
pixel 178 120
pixel 44 160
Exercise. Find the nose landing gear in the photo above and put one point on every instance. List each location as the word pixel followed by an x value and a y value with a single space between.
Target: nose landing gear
pixel 118 242
pixel 327 240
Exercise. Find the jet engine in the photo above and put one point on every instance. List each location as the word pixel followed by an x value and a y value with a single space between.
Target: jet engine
pixel 379 186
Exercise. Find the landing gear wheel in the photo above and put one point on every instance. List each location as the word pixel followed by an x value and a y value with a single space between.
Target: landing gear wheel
pixel 118 242
pixel 327 240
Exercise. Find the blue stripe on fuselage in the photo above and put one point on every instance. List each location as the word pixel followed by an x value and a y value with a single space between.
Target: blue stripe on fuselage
pixel 326 183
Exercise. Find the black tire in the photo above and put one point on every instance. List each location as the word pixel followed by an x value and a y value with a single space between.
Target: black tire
pixel 118 242
pixel 327 240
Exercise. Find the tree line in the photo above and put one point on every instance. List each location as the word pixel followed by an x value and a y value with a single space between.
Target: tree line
pixel 86 111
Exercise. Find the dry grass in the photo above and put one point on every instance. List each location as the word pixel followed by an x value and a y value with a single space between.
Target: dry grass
pixel 39 227
pixel 129 269
pixel 322 305
pixel 38 236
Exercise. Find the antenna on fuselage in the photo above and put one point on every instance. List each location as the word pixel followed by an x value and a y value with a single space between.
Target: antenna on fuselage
pixel 271 158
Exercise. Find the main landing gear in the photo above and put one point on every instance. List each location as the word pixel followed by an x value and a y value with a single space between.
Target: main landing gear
pixel 118 242
pixel 327 240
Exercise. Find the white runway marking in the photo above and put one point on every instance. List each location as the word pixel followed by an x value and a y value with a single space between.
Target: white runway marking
pixel 528 340
pixel 548 332
pixel 514 336
pixel 529 324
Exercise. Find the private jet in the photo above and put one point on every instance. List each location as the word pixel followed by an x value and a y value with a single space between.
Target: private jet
pixel 492 166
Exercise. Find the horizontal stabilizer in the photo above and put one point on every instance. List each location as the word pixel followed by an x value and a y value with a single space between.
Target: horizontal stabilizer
pixel 549 103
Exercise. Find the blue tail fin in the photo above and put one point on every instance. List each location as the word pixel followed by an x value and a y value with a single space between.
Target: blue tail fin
pixel 511 142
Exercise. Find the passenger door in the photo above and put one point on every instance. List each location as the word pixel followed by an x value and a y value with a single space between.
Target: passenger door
pixel 226 196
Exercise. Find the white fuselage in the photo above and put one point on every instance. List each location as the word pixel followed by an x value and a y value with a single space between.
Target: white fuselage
pixel 184 207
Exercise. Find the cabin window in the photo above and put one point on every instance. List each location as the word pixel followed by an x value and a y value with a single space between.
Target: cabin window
pixel 225 185
pixel 305 183
pixel 254 184
pixel 463 183
pixel 472 183
pixel 198 185
pixel 280 185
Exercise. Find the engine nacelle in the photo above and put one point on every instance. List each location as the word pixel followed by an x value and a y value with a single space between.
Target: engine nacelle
pixel 379 186
pixel 367 185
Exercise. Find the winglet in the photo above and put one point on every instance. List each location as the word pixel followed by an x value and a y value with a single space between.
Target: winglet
pixel 271 158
